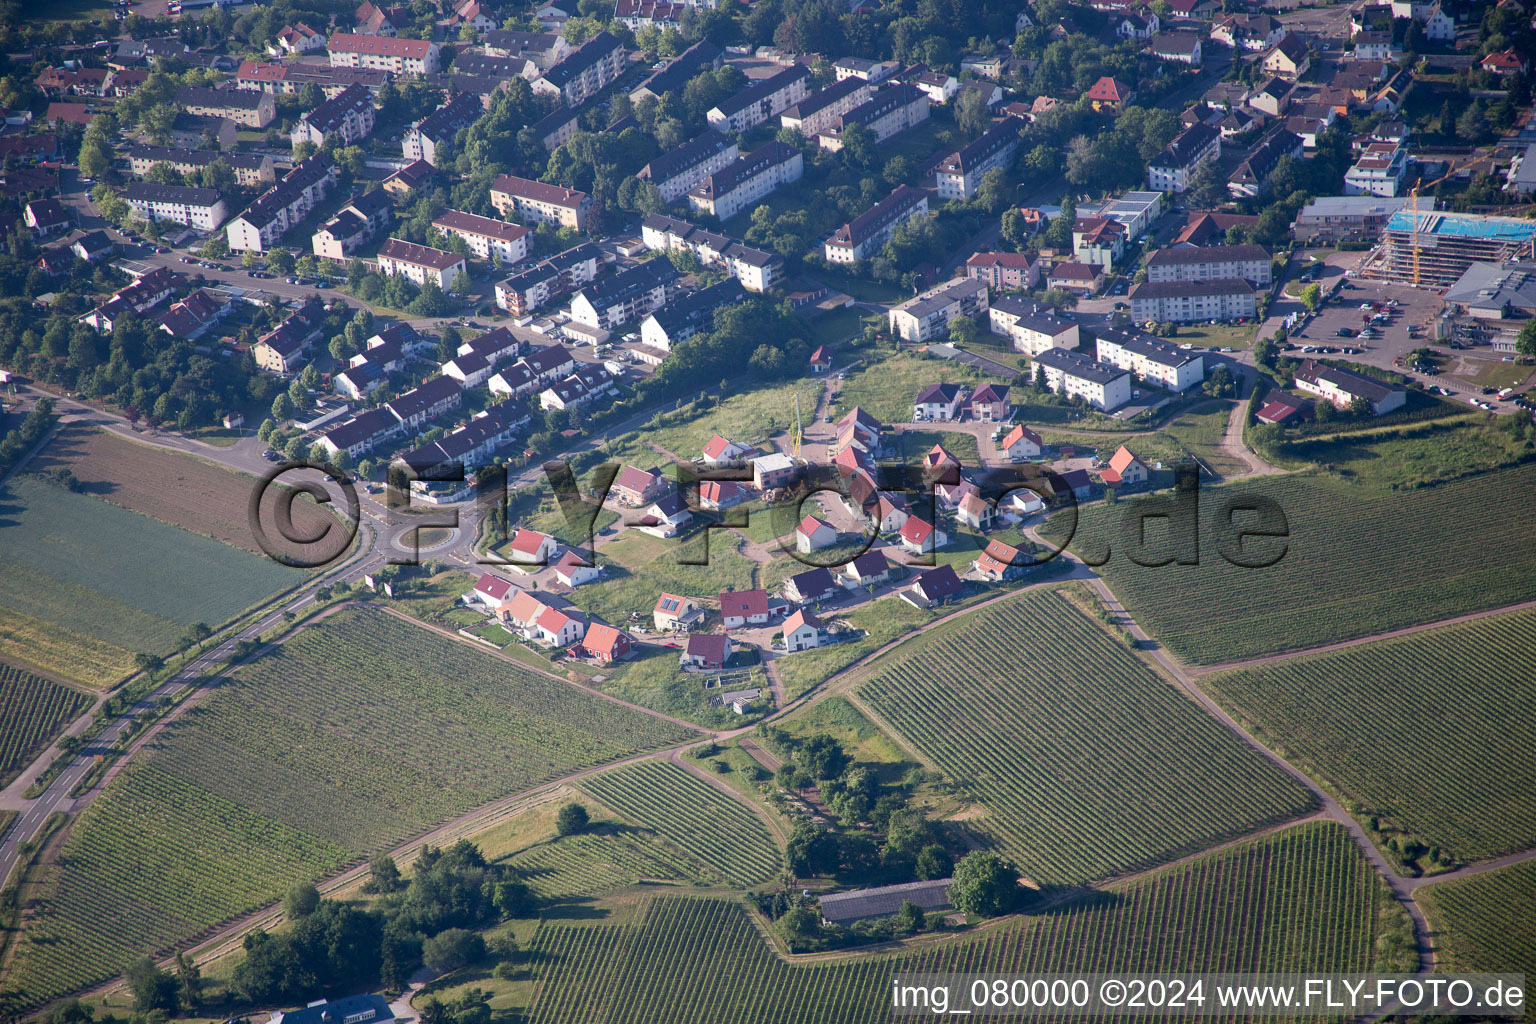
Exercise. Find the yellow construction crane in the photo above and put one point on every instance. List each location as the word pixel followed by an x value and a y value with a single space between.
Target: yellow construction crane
pixel 1413 195
pixel 794 438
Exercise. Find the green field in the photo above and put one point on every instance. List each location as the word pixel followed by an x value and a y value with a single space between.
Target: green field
pixel 1430 731
pixel 1303 899
pixel 1201 433
pixel 605 860
pixel 693 816
pixel 637 568
pixel 886 388
pixel 353 735
pixel 1486 922
pixel 1088 764
pixel 1413 455
pixel 36 711
pixel 750 418
pixel 1355 563
pixel 115 577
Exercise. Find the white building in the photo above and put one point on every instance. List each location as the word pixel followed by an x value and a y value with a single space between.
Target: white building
pixel 283 205
pixel 864 236
pixel 414 57
pixel 348 117
pixel 766 98
pixel 1151 358
pixel 1030 327
pixel 676 173
pixel 929 315
pixel 585 72
pixel 1250 263
pixel 1171 169
pixel 1342 387
pixel 509 243
pixel 959 174
pixel 1378 172
pixel 199 208
pixel 1101 385
pixel 757 269
pixel 742 183
pixel 535 200
pixel 420 263
pixel 1185 301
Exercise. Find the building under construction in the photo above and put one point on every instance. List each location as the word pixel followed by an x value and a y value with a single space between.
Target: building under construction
pixel 1433 248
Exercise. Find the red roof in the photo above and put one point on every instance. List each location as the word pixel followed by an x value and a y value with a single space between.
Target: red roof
pixel 1110 90
pixel 1122 459
pixel 810 524
pixel 717 446
pixel 998 556
pixel 384 46
pixel 1019 260
pixel 800 618
pixel 745 603
pixel 638 480
pixel 419 255
pixel 714 648
pixel 1021 432
pixel 1110 476
pixel 915 531
pixel 493 586
pixel 604 640
pixel 719 491
pixel 528 542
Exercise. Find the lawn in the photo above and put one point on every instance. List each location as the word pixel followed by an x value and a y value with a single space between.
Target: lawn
pixel 913 445
pixel 1486 922
pixel 1220 336
pixel 652 678
pixel 883 621
pixel 1088 763
pixel 638 568
pixel 1495 373
pixel 67 11
pixel 1201 433
pixel 124 581
pixel 355 734
pixel 886 388
pixel 177 489
pixel 837 326
pixel 1303 897
pixel 1405 730
pixel 1355 562
pixel 1414 455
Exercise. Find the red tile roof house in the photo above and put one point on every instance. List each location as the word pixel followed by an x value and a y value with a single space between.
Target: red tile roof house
pixel 920 538
pixel 939 462
pixel 492 590
pixel 606 643
pixel 934 586
pixel 745 608
pixel 572 570
pixel 802 631
pixel 976 512
pixel 530 547
pixel 541 622
pixel 889 513
pixel 820 360
pixel 1022 444
pixel 813 533
pixel 1124 470
pixel 722 452
pixel 706 651
pixel 1000 562
pixel 673 612
pixel 990 403
pixel 715 495
pixel 637 486
pixel 1110 93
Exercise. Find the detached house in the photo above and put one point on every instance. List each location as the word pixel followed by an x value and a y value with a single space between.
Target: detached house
pixel 674 612
pixel 813 533
pixel 938 402
pixel 1021 444
pixel 920 538
pixel 999 562
pixel 1124 470
pixel 706 652
pixel 935 586
pixel 606 643
pixel 740 608
pixel 802 631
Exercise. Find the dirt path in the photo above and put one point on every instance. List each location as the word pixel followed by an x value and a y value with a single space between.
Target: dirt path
pixel 1202 670
pixel 1472 870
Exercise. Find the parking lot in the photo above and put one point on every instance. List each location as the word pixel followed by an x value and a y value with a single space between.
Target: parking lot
pixel 1390 339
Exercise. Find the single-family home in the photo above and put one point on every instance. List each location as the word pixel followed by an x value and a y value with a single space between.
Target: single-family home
pixel 740 608
pixel 1000 561
pixel 934 587
pixel 635 487
pixel 492 590
pixel 869 569
pixel 666 516
pixel 1021 444
pixel 1125 470
pixel 722 453
pixel 990 403
pixel 814 533
pixel 811 586
pixel 530 547
pixel 920 538
pixel 573 571
pixel 715 495
pixel 976 512
pixel 938 402
pixel 606 643
pixel 674 612
pixel 706 652
pixel 802 631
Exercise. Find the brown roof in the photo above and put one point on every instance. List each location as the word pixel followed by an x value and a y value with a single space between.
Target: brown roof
pixel 419 255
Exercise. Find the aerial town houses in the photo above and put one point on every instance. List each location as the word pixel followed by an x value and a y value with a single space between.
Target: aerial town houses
pixel 348 117
pixel 406 57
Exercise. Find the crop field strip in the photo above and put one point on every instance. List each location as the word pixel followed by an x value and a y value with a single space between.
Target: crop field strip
pixel 1302 899
pixel 1087 762
pixel 1486 922
pixel 117 577
pixel 695 817
pixel 1430 731
pixel 174 488
pixel 1357 563
pixel 591 865
pixel 35 711
pixel 337 743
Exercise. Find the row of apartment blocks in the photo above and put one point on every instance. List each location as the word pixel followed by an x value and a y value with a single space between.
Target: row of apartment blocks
pixel 242 106
pixel 863 236
pixel 250 168
pixel 757 269
pixel 927 316
pixel 348 116
pixel 747 179
pixel 536 200
pixel 528 290
pixel 283 205
pixel 892 109
pixel 677 173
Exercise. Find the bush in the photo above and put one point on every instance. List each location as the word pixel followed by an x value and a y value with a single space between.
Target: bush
pixel 572 819
pixel 452 949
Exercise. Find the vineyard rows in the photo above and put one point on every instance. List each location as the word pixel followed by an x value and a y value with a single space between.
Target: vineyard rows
pixel 597 863
pixel 353 735
pixel 1304 899
pixel 1430 731
pixel 1217 612
pixel 1088 764
pixel 160 859
pixel 693 816
pixel 36 710
pixel 1486 922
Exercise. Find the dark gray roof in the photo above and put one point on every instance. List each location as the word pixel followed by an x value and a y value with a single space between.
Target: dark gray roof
pixel 1208 254
pixel 1078 366
pixel 843 907
pixel 1345 380
pixel 761 89
pixel 1180 289
pixel 585 56
pixel 1145 345
pixel 149 192
pixel 689 155
pixel 683 68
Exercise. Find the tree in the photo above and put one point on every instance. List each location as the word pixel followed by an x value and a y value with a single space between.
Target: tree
pixel 150 663
pixel 1221 383
pixel 910 917
pixel 250 259
pixel 972 113
pixel 452 949
pixel 1206 189
pixel 1525 343
pixel 152 988
pixel 301 901
pixel 282 407
pixel 798 926
pixel 572 819
pixel 383 875
pixel 812 850
pixel 985 884
pixel 1040 381
pixel 933 861
pixel 514 898
pixel 280 261
pixel 962 330
pixel 190 979
pixel 1312 295
pixel 1360 406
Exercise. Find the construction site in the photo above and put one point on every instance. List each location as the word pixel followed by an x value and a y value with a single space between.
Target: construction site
pixel 1433 249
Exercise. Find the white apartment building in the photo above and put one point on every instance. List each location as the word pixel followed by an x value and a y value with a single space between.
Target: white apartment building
pixel 1171 169
pixel 384 53
pixel 509 243
pixel 863 236
pixel 742 183
pixel 766 98
pixel 1030 327
pixel 199 208
pixel 1101 386
pixel 928 316
pixel 1250 263
pixel 585 72
pixel 1151 358
pixel 1184 301
pixel 1379 171
pixel 676 173
pixel 349 117
pixel 420 263
pixel 757 269
pixel 535 200
pixel 893 108
pixel 959 174
pixel 283 205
